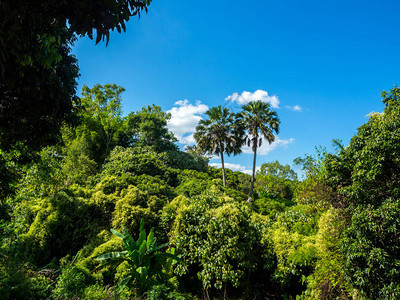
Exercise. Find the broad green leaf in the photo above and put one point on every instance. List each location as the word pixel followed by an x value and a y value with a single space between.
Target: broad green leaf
pixel 111 255
pixel 159 247
pixel 150 237
pixel 118 234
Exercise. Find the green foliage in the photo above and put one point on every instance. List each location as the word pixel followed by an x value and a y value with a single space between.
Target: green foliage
pixel 84 149
pixel 98 292
pixel 145 261
pixel 217 239
pixel 103 104
pixel 272 187
pixel 44 177
pixel 293 239
pixel 19 282
pixel 367 171
pixel 260 121
pixel 128 212
pixel 148 127
pixel 38 72
pixel 365 176
pixel 237 185
pixel 38 181
pixel 371 250
pixel 8 173
pixel 186 161
pixel 328 280
pixel 59 228
pixel 21 23
pixel 71 283
pixel 271 207
pixel 138 161
pixel 169 211
pixel 219 134
pixel 163 292
pixel 277 170
pixel 103 242
pixel 29 114
pixel 192 183
pixel 333 235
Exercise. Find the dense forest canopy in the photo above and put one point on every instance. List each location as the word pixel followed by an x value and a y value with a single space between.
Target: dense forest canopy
pixel 331 235
pixel 95 204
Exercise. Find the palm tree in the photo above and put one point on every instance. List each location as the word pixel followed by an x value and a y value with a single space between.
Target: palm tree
pixel 260 121
pixel 219 134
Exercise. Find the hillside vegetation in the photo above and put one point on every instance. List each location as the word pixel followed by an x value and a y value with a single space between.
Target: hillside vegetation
pixel 116 210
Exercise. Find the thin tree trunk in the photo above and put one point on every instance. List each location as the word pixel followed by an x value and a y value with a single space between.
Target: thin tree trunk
pixel 225 293
pixel 223 168
pixel 109 136
pixel 208 296
pixel 254 171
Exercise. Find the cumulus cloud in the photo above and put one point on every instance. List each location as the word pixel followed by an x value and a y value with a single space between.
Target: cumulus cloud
pixel 246 97
pixel 294 108
pixel 266 147
pixel 184 119
pixel 234 167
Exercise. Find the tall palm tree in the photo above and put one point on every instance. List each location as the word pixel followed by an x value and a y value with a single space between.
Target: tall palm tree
pixel 219 134
pixel 260 121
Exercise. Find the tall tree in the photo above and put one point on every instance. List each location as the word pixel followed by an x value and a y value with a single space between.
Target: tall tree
pixel 275 169
pixel 260 121
pixel 25 22
pixel 148 127
pixel 103 103
pixel 219 134
pixel 37 69
pixel 35 101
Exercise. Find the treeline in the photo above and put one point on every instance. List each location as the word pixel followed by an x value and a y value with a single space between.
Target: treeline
pixel 117 211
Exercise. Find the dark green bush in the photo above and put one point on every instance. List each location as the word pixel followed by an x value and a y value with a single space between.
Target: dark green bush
pixel 18 282
pixel 72 283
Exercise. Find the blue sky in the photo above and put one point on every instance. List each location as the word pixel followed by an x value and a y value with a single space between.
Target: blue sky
pixel 321 64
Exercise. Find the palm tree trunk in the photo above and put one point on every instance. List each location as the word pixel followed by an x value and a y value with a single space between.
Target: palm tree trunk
pixel 254 171
pixel 223 168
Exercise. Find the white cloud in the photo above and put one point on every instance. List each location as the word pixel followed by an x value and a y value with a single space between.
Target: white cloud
pixel 187 139
pixel 294 108
pixel 266 147
pixel 184 119
pixel 234 167
pixel 246 97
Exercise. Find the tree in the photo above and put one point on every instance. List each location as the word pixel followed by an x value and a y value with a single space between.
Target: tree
pixel 220 239
pixel 148 266
pixel 22 22
pixel 37 70
pixel 259 118
pixel 277 170
pixel 148 127
pixel 366 177
pixel 35 101
pixel 103 103
pixel 219 134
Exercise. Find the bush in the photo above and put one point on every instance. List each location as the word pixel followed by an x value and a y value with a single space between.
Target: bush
pixel 18 282
pixel 72 283
pixel 162 292
pixel 328 280
pixel 371 250
pixel 293 238
pixel 216 238
pixel 98 292
pixel 129 211
pixel 62 226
